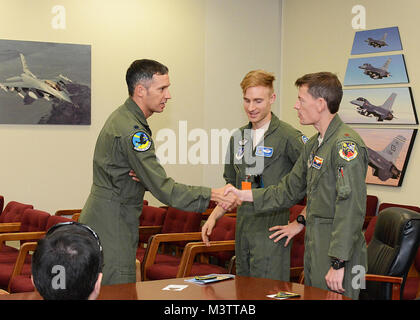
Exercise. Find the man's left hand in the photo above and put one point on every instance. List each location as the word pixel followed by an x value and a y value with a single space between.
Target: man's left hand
pixel 334 279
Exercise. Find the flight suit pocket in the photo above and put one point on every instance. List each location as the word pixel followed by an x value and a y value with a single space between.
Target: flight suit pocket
pixel 343 184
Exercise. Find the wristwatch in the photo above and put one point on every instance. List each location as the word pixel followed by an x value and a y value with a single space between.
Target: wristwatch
pixel 337 263
pixel 301 219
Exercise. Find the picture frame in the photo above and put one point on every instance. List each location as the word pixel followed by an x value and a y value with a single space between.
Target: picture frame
pixel 389 152
pixel 389 69
pixel 380 106
pixel 376 40
pixel 45 83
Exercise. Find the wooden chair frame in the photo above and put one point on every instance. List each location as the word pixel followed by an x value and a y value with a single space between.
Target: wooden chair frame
pixel 156 240
pixel 193 248
pixel 23 252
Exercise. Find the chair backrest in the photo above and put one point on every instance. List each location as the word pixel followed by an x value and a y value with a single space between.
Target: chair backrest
pixel 53 220
pixel 13 211
pixel 392 249
pixel 181 221
pixel 1 204
pixel 385 205
pixel 370 229
pixel 371 208
pixel 298 243
pixel 151 216
pixel 34 220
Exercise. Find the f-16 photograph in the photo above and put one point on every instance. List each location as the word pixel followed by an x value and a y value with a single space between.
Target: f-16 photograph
pixel 389 151
pixel 376 70
pixel 377 40
pixel 44 83
pixel 378 106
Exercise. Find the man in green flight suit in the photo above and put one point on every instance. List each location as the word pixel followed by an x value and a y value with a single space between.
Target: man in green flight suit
pixel 259 154
pixel 124 143
pixel 331 171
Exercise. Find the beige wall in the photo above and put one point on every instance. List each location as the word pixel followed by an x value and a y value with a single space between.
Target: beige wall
pixel 318 36
pixel 208 46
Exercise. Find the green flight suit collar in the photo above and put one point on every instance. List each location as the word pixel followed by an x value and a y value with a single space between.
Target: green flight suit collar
pixel 136 111
pixel 335 123
pixel 274 123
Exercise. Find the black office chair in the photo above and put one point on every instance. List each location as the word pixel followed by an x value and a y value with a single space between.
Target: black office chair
pixel 391 253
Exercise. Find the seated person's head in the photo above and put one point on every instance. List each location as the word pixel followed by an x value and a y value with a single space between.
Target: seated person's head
pixel 67 263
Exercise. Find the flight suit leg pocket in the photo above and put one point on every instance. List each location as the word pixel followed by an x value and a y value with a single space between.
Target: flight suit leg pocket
pixel 343 184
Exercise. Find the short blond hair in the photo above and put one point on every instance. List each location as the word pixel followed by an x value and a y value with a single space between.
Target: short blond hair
pixel 257 78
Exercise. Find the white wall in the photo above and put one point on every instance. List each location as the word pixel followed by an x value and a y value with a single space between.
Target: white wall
pixel 208 46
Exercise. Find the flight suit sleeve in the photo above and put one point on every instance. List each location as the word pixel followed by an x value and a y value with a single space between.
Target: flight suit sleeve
pixel 295 145
pixel 290 189
pixel 229 173
pixel 142 159
pixel 350 205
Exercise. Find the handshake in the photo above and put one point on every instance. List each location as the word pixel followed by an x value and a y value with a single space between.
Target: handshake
pixel 227 197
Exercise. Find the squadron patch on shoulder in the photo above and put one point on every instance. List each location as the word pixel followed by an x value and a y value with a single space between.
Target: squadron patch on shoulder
pixel 348 150
pixel 304 139
pixel 141 141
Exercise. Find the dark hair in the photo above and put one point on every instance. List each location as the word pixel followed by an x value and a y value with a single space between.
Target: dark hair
pixel 323 85
pixel 143 70
pixel 74 249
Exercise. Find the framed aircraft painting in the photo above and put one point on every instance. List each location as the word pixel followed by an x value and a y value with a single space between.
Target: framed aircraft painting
pixel 45 83
pixel 376 70
pixel 389 151
pixel 377 40
pixel 378 106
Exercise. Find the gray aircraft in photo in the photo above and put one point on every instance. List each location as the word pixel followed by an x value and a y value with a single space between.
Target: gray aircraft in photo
pixel 376 72
pixel 383 162
pixel 30 88
pixel 383 112
pixel 377 43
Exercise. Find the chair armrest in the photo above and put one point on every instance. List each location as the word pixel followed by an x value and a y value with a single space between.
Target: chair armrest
pixel 149 229
pixel 156 240
pixel 20 236
pixel 297 272
pixel 20 261
pixel 396 283
pixel 67 212
pixel 10 227
pixel 193 248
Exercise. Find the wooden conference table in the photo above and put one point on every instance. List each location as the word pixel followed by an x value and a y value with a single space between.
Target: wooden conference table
pixel 239 288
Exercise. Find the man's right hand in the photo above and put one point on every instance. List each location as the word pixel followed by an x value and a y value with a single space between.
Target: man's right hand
pixel 227 200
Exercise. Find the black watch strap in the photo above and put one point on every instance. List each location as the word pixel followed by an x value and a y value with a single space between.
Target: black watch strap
pixel 301 219
pixel 337 263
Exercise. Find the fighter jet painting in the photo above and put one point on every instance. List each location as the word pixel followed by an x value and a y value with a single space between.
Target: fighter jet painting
pixel 376 72
pixel 389 151
pixel 377 43
pixel 383 112
pixel 45 83
pixel 381 106
pixel 30 88
pixel 383 162
pixel 376 40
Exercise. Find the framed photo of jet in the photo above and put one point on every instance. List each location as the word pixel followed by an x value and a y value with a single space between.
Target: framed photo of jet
pixel 376 70
pixel 389 151
pixel 377 40
pixel 378 106
pixel 45 83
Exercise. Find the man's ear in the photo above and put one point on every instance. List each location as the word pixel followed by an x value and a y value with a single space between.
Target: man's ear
pixel 272 98
pixel 322 105
pixel 97 288
pixel 140 90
